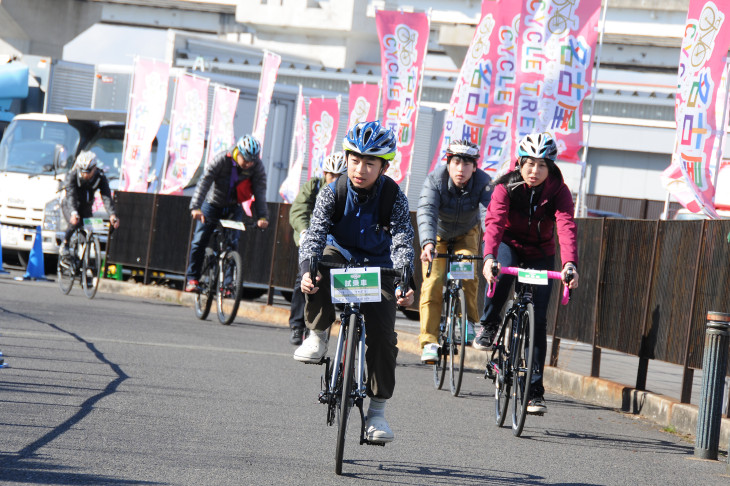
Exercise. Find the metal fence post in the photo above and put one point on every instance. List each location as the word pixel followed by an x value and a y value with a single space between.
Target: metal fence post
pixel 714 367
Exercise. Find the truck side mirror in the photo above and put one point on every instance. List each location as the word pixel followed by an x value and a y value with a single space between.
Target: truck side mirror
pixel 60 161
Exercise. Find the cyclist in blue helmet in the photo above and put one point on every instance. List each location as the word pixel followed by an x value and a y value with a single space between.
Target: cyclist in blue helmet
pixel 356 237
pixel 232 178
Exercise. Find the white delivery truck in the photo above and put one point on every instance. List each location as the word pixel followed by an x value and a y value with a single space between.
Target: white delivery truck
pixel 36 152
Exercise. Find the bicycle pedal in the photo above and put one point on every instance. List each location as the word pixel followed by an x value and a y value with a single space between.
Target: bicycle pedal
pixel 430 362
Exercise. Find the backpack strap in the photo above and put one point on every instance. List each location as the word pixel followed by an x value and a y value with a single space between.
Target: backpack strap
pixel 387 200
pixel 340 198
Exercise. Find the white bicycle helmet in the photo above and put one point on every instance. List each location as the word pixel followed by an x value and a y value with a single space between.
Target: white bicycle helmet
pixel 371 138
pixel 538 145
pixel 86 161
pixel 335 163
pixel 464 149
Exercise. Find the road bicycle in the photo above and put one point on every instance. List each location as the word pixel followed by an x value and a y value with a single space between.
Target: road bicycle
pixel 84 259
pixel 512 360
pixel 221 276
pixel 343 383
pixel 452 338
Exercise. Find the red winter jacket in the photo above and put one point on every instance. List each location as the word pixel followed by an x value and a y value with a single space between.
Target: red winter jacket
pixel 508 221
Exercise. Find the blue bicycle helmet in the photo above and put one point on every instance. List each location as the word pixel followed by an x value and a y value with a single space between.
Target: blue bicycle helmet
pixel 370 138
pixel 249 147
pixel 538 145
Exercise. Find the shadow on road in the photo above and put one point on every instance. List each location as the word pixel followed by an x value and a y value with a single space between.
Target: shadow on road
pixel 21 465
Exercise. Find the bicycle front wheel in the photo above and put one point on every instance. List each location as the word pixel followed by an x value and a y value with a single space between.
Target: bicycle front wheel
pixel 522 359
pixel 208 278
pixel 230 277
pixel 90 267
pixel 346 398
pixel 439 368
pixel 500 364
pixel 457 348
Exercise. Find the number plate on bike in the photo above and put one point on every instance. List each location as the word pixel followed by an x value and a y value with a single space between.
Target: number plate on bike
pixel 355 285
pixel 229 223
pixel 95 224
pixel 534 277
pixel 461 271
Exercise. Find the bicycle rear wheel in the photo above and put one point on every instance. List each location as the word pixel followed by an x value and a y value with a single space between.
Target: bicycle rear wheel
pixel 522 359
pixel 439 368
pixel 346 398
pixel 208 278
pixel 65 274
pixel 90 267
pixel 457 349
pixel 500 363
pixel 229 292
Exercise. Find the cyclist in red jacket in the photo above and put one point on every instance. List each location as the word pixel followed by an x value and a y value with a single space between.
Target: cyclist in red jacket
pixel 526 205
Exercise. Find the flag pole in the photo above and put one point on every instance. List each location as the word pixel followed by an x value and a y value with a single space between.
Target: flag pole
pixel 580 206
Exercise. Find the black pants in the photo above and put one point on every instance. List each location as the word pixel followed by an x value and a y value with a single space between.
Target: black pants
pixel 84 212
pixel 296 312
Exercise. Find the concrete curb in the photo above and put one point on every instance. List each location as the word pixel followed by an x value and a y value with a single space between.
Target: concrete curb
pixel 664 411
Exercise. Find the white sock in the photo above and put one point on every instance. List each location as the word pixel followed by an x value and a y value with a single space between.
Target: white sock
pixel 377 407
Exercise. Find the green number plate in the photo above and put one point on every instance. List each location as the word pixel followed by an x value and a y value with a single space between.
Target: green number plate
pixel 535 277
pixel 350 285
pixel 461 270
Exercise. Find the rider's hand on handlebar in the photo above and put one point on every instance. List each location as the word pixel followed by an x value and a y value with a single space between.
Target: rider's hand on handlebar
pixel 427 253
pixel 114 221
pixel 487 271
pixel 197 215
pixel 307 285
pixel 404 301
pixel 74 220
pixel 262 223
pixel 569 267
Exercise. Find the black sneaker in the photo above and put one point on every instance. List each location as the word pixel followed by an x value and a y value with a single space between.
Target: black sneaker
pixel 296 336
pixel 484 340
pixel 536 406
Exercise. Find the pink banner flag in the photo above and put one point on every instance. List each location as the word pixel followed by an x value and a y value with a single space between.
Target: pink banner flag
pixel 363 103
pixel 403 43
pixel 497 150
pixel 467 115
pixel 702 63
pixel 557 41
pixel 186 143
pixel 220 132
pixel 147 103
pixel 269 71
pixel 324 116
pixel 290 187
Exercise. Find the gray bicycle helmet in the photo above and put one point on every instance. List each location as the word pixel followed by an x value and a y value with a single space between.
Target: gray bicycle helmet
pixel 335 163
pixel 86 161
pixel 464 149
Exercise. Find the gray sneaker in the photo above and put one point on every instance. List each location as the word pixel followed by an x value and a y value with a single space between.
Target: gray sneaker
pixel 536 406
pixel 484 340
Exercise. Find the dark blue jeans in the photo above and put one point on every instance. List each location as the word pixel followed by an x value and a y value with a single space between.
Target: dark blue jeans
pixel 540 299
pixel 202 233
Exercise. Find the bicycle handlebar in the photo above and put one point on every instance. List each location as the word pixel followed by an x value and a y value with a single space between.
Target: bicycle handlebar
pixel 456 256
pixel 551 274
pixel 404 274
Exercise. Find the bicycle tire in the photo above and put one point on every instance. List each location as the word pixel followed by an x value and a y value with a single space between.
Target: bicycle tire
pixel 522 359
pixel 91 266
pixel 346 399
pixel 228 307
pixel 204 299
pixel 64 275
pixel 500 359
pixel 439 368
pixel 457 350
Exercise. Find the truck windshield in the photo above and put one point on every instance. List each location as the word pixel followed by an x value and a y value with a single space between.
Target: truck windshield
pixel 29 146
pixel 107 145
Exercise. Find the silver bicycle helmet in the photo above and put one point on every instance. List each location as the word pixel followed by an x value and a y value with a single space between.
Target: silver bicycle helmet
pixel 538 145
pixel 464 149
pixel 371 138
pixel 335 163
pixel 86 161
pixel 249 147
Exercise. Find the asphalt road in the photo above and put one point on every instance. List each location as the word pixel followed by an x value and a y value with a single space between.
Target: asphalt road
pixel 120 390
